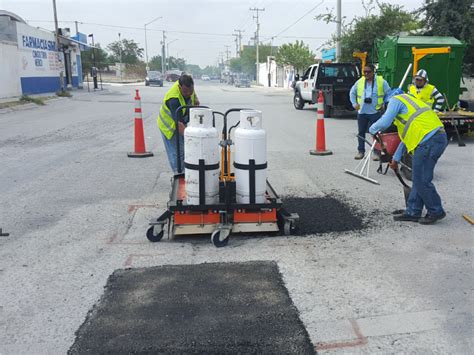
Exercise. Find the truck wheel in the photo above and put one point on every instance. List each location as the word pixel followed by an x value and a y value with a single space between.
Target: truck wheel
pixel 298 101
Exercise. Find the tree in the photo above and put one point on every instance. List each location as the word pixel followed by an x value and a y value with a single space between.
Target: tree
pixel 362 32
pixel 235 65
pixel 194 69
pixel 248 57
pixel 155 63
pixel 87 58
pixel 451 18
pixel 296 54
pixel 176 63
pixel 131 52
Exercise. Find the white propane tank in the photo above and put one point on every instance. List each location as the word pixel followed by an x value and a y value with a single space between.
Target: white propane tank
pixel 250 144
pixel 201 142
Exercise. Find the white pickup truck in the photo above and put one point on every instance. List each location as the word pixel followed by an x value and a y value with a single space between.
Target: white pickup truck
pixel 335 80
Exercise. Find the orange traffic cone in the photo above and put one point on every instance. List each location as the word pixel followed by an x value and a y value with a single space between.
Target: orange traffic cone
pixel 140 150
pixel 320 132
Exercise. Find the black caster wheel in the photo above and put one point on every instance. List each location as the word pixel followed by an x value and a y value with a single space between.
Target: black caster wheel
pixel 154 235
pixel 220 238
pixel 287 228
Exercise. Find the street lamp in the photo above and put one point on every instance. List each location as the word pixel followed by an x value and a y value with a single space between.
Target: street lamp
pixel 168 51
pixel 146 44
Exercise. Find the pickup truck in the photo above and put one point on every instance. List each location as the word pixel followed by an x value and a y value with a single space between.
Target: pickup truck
pixel 335 80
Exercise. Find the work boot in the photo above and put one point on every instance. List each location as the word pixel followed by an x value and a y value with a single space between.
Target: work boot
pixel 359 156
pixel 430 219
pixel 400 211
pixel 405 218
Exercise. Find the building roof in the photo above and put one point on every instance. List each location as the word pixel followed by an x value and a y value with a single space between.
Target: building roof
pixel 12 16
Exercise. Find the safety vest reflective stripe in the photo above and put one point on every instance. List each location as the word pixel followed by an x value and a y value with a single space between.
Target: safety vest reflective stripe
pixel 419 111
pixel 165 123
pixel 424 94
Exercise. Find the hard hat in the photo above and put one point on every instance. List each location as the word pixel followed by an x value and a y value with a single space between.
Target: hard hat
pixel 421 74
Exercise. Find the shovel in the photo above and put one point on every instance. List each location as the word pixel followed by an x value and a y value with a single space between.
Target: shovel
pixel 406 188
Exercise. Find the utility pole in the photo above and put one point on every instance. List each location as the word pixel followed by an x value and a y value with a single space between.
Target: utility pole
pixel 56 27
pixel 163 43
pixel 146 44
pixel 240 40
pixel 257 39
pixel 77 26
pixel 338 32
pixel 236 45
pixel 227 52
pixel 120 52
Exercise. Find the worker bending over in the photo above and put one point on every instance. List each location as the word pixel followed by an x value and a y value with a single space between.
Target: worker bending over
pixel 367 97
pixel 422 134
pixel 180 94
pixel 426 92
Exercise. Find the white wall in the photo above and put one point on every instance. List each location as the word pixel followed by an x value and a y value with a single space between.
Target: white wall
pixel 9 70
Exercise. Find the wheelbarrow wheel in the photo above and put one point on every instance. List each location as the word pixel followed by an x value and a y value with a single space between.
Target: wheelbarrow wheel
pixel 154 235
pixel 220 238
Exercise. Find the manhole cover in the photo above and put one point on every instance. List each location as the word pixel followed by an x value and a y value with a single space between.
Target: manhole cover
pixel 207 309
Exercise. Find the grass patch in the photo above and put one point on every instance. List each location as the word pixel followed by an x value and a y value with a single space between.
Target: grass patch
pixel 63 94
pixel 35 100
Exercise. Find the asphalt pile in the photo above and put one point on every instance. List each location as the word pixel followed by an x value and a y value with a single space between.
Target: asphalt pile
pixel 324 215
pixel 231 308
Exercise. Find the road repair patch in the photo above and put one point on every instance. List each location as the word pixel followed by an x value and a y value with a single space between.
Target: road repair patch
pixel 324 215
pixel 205 308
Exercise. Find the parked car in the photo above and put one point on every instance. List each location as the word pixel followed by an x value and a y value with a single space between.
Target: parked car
pixel 154 78
pixel 205 78
pixel 242 80
pixel 335 80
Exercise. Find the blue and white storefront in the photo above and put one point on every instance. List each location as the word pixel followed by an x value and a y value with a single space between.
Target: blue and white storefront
pixel 31 62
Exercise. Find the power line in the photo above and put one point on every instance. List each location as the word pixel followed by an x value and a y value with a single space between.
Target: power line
pixel 298 20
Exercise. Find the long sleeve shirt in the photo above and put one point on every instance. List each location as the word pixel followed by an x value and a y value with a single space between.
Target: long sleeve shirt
pixel 369 91
pixel 394 108
pixel 173 105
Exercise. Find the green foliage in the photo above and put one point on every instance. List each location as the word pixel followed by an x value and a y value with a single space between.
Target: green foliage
pixel 155 63
pixel 361 33
pixel 87 58
pixel 193 69
pixel 296 54
pixel 129 50
pixel 35 100
pixel 176 63
pixel 63 93
pixel 452 18
pixel 248 58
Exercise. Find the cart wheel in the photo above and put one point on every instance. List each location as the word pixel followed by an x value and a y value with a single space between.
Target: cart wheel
pixel 155 236
pixel 287 228
pixel 220 238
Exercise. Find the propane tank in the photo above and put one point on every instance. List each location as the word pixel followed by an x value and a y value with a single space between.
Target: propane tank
pixel 201 147
pixel 250 157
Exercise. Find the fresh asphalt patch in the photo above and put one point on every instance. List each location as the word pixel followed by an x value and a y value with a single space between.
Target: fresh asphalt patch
pixel 324 215
pixel 207 309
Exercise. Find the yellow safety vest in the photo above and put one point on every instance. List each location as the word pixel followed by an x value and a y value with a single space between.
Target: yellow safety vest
pixel 414 125
pixel 165 120
pixel 424 94
pixel 361 88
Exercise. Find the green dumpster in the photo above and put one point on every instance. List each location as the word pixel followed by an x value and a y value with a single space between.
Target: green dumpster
pixel 444 70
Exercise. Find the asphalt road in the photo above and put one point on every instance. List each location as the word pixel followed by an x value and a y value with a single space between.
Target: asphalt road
pixel 77 209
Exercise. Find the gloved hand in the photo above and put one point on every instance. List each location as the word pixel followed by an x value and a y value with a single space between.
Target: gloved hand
pixel 393 165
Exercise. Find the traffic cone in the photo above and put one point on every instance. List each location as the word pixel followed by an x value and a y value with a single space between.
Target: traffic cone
pixel 320 132
pixel 140 150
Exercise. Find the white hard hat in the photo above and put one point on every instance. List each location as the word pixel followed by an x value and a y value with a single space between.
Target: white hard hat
pixel 421 74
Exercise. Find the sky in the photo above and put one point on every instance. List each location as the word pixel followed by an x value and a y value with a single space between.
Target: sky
pixel 197 30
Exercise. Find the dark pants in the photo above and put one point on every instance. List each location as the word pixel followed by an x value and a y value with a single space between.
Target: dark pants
pixel 423 192
pixel 364 121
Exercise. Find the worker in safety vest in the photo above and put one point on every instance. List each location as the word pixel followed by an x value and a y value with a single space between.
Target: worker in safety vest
pixel 426 92
pixel 422 135
pixel 367 97
pixel 180 94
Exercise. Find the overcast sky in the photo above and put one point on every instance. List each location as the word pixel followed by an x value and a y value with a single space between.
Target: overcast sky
pixel 200 28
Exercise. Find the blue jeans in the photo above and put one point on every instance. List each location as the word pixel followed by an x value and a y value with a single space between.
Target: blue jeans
pixel 423 192
pixel 170 146
pixel 364 121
